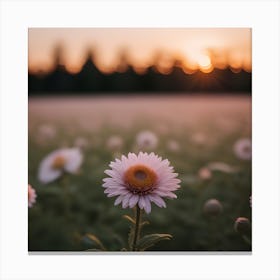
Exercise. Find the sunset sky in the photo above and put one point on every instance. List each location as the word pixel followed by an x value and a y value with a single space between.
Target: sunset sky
pixel 197 48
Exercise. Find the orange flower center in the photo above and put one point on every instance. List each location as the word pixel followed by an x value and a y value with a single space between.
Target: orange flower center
pixel 58 162
pixel 140 178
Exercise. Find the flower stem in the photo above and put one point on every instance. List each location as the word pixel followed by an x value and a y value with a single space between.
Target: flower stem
pixel 137 227
pixel 64 185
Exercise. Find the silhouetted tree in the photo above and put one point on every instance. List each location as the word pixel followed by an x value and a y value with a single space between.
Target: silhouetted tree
pixel 125 80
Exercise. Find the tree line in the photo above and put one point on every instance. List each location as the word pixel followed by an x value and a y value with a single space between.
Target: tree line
pixel 91 80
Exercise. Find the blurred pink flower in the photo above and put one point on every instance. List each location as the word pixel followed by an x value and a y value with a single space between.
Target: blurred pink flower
pixel 243 149
pixel 204 173
pixel 31 196
pixel 173 146
pixel 141 179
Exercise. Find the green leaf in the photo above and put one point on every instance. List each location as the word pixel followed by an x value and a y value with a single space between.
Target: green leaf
pixel 96 241
pixel 151 239
pixel 128 218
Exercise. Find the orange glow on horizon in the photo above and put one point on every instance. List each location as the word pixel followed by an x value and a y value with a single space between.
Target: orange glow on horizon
pixel 196 49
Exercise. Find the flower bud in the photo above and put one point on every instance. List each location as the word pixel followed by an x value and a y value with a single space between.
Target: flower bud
pixel 213 207
pixel 242 226
pixel 204 173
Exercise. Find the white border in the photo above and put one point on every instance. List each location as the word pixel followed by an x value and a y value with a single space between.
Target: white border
pixel 262 16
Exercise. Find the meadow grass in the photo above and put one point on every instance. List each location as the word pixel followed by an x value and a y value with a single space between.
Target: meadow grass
pixel 69 208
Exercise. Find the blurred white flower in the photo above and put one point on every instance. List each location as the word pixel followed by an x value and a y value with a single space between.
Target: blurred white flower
pixel 243 149
pixel 114 143
pixel 204 173
pixel 81 142
pixel 141 179
pixel 173 146
pixel 59 161
pixel 31 196
pixel 213 207
pixel 222 167
pixel 146 140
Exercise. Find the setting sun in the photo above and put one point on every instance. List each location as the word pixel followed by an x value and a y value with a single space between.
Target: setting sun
pixel 204 63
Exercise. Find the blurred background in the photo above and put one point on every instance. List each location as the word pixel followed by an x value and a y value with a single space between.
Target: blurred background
pixel 186 92
pixel 139 60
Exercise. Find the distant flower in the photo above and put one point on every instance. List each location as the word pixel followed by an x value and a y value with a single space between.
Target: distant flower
pixel 59 161
pixel 250 199
pixel 146 140
pixel 141 179
pixel 31 196
pixel 46 132
pixel 115 143
pixel 81 142
pixel 204 173
pixel 213 207
pixel 173 146
pixel 243 149
pixel 199 138
pixel 222 167
pixel 242 226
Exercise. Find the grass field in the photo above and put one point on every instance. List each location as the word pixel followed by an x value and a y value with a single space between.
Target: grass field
pixel 193 133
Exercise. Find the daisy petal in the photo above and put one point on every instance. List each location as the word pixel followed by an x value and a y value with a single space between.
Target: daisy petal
pixel 147 205
pixel 133 201
pixel 141 202
pixel 118 200
pixel 157 200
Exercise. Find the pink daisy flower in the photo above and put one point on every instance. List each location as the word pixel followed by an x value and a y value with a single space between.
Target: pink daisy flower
pixel 141 179
pixel 31 196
